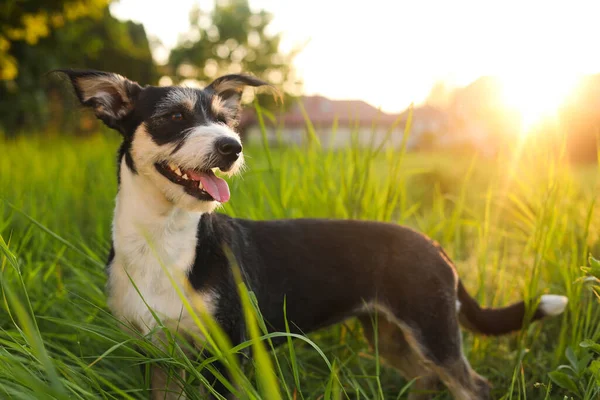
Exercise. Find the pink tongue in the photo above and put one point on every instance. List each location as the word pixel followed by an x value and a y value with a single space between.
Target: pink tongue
pixel 214 185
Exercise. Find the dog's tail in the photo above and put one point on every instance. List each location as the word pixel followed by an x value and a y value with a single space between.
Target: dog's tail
pixel 498 321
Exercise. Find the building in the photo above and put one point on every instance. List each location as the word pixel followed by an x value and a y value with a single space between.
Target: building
pixel 342 123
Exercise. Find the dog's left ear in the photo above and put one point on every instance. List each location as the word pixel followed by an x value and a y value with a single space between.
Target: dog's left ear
pixel 110 95
pixel 229 88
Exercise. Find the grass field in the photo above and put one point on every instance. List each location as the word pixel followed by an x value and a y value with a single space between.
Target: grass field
pixel 516 226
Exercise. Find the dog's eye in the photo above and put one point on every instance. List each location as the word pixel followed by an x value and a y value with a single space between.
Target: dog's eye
pixel 177 117
pixel 221 118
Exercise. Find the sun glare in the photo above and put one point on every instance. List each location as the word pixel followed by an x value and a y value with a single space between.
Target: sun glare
pixel 536 98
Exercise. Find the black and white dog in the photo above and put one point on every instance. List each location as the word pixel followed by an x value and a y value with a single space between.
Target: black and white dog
pixel 326 270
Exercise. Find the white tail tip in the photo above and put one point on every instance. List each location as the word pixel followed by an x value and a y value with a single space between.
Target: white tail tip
pixel 553 304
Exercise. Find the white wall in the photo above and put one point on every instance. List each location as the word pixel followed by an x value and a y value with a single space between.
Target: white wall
pixel 344 136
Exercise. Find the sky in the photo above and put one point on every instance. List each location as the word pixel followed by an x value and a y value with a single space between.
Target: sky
pixel 390 53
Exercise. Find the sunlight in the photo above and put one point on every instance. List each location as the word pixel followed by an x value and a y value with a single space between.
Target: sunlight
pixel 536 98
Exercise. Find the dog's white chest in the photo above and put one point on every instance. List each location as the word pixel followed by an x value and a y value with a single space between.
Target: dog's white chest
pixel 139 276
pixel 140 265
pixel 153 255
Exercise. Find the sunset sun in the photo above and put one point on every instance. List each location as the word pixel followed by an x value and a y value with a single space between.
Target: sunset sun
pixel 536 98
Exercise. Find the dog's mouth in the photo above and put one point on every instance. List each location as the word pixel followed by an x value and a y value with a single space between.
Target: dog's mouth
pixel 202 184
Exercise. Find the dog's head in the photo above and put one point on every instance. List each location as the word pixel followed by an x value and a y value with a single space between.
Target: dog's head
pixel 174 136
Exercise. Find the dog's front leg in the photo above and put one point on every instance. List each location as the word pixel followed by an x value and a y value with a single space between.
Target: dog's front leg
pixel 234 328
pixel 166 383
pixel 215 384
pixel 166 386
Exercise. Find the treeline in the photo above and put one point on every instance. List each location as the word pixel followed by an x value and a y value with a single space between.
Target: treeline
pixel 52 35
pixel 37 37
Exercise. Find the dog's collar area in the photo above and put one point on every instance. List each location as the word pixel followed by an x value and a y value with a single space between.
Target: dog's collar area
pixel 203 185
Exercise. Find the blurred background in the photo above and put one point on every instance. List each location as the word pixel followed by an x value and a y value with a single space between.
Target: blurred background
pixel 481 75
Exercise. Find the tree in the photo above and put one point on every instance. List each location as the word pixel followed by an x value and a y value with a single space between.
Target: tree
pixel 30 21
pixel 232 39
pixel 580 119
pixel 93 41
pixel 439 95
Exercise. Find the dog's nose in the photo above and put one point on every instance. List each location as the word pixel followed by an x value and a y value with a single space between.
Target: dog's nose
pixel 229 147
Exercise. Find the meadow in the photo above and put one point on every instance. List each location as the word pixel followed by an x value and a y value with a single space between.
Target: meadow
pixel 517 226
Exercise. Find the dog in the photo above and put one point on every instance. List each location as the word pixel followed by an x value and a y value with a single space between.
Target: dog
pixel 400 284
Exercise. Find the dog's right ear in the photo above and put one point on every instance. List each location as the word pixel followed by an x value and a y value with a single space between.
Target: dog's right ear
pixel 110 95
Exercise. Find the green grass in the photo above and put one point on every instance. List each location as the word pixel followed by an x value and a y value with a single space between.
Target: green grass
pixel 517 226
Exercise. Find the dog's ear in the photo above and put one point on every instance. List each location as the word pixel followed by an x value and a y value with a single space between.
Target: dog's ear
pixel 110 95
pixel 229 88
